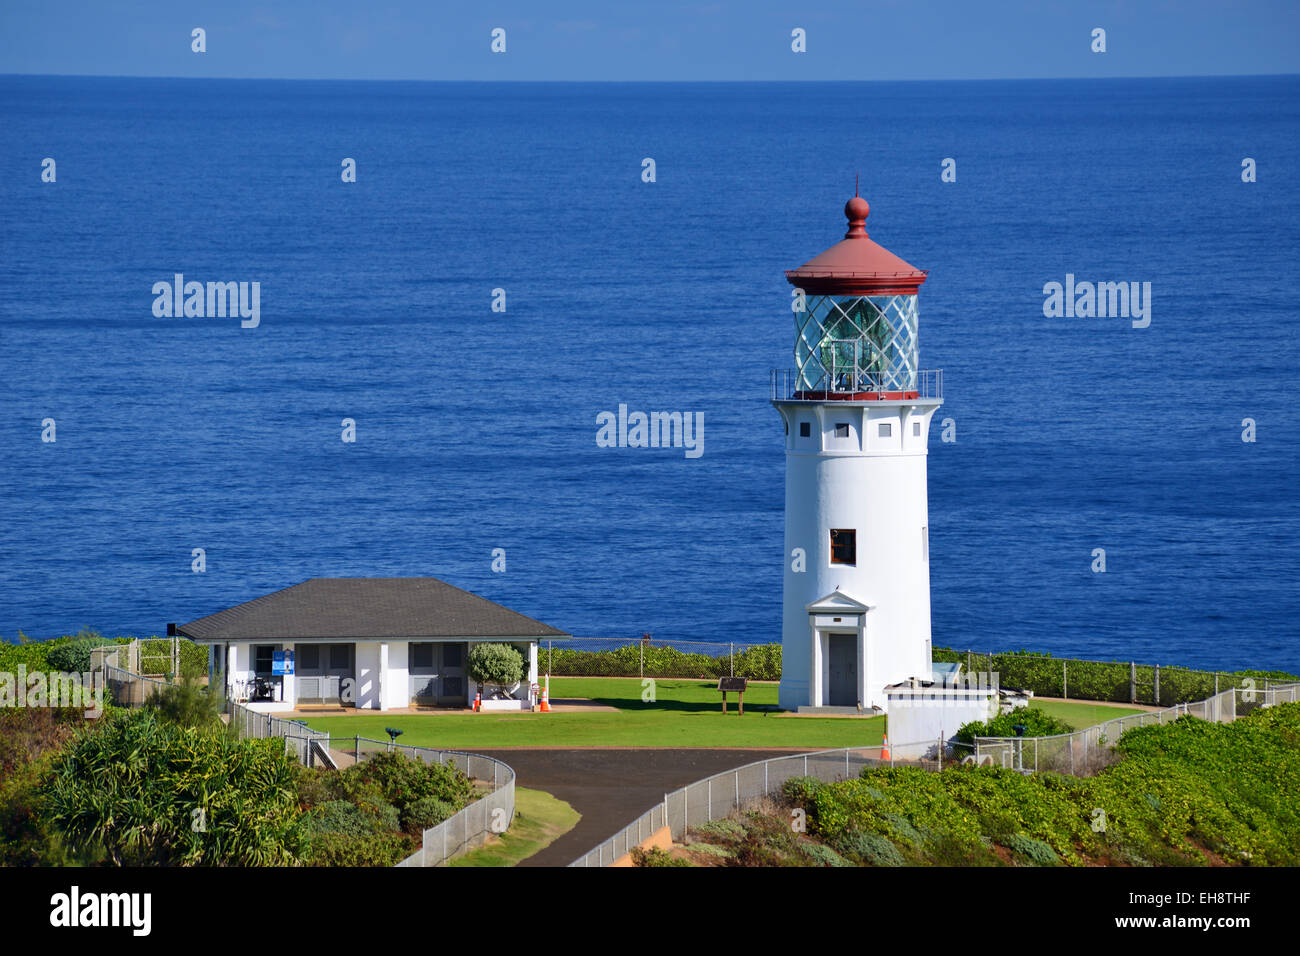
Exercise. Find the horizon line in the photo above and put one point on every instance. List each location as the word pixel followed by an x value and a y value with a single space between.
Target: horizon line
pixel 322 79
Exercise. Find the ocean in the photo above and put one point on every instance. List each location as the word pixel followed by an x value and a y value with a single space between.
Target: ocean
pixel 476 429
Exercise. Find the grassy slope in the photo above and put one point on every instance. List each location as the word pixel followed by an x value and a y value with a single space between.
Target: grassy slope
pixel 539 820
pixel 685 713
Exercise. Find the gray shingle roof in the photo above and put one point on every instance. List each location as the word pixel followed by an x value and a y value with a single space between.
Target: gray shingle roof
pixel 366 609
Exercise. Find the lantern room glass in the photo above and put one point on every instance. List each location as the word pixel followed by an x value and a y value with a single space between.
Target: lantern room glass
pixel 847 343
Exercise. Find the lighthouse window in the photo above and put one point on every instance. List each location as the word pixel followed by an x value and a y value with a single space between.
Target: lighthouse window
pixel 844 546
pixel 841 429
pixel 805 429
pixel 884 429
pixel 916 429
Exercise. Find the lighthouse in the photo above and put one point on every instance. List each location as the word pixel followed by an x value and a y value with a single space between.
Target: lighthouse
pixel 857 409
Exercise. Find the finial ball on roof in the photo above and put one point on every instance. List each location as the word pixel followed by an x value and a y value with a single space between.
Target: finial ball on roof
pixel 856 208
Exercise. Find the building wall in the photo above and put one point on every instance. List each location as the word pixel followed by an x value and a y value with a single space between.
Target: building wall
pixel 875 485
pixel 918 719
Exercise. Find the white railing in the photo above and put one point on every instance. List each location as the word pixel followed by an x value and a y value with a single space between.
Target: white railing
pixel 787 386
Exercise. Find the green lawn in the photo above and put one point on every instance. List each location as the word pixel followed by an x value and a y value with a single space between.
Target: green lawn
pixel 684 713
pixel 539 819
pixel 1080 714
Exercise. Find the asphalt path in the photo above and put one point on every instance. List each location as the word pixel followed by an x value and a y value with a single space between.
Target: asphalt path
pixel 612 787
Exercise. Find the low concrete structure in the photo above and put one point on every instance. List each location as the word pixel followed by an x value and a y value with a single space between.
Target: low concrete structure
pixel 923 713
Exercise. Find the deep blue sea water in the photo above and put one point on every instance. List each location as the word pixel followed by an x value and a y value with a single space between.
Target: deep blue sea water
pixel 476 430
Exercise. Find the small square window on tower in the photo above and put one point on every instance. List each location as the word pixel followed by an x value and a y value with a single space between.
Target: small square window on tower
pixel 884 429
pixel 844 546
pixel 805 429
pixel 841 429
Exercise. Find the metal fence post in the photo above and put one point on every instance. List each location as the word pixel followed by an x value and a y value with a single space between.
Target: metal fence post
pixel 1132 682
pixel 1157 687
pixel 1065 681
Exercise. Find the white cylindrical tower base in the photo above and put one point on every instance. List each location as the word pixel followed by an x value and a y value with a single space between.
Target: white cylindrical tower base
pixel 856 617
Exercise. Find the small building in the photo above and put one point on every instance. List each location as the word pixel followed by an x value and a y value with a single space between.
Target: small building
pixel 373 643
pixel 923 715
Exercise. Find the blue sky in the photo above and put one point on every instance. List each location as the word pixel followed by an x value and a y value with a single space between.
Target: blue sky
pixel 639 40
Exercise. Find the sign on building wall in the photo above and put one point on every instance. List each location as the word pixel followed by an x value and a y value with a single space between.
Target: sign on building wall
pixel 282 662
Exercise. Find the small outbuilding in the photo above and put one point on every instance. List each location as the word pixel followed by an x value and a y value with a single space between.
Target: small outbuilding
pixel 373 643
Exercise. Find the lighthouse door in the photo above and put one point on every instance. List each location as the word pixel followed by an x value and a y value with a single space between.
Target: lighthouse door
pixel 843 654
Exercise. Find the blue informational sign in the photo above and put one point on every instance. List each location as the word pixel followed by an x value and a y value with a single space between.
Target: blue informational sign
pixel 282 662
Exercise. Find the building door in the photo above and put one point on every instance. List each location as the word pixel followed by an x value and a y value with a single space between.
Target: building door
pixel 452 689
pixel 843 659
pixel 321 671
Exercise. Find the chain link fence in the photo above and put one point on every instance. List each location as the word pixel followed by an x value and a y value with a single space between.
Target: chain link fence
pixel 1086 751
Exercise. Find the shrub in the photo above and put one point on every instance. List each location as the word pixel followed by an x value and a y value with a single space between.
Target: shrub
pixel 375 849
pixel 724 830
pixel 757 662
pixel 822 855
pixel 1037 723
pixel 344 817
pixel 72 655
pixel 401 780
pixel 495 664
pixel 1035 851
pixel 802 791
pixel 870 849
pixel 655 857
pixel 188 704
pixel 426 812
pixel 135 785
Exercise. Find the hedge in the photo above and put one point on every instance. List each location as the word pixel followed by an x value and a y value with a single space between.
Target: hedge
pixel 758 662
pixel 1049 676
pixel 1044 675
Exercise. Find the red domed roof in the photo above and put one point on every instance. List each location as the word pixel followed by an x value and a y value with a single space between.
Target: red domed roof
pixel 856 265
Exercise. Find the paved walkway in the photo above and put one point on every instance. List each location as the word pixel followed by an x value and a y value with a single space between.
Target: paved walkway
pixel 612 787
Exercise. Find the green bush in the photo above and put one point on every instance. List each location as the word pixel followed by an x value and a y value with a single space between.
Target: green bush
pixel 401 780
pixel 1037 723
pixel 1185 792
pixel 869 849
pixel 188 704
pixel 655 857
pixel 758 662
pixel 1035 851
pixel 822 855
pixel 426 812
pixel 375 849
pixel 146 791
pixel 495 664
pixel 1046 676
pixel 344 817
pixel 72 655
pixel 802 791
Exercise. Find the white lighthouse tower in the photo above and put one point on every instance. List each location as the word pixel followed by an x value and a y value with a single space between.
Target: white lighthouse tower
pixel 857 411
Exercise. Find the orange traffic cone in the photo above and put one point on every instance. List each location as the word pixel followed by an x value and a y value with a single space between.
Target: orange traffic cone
pixel 478 700
pixel 884 747
pixel 545 704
